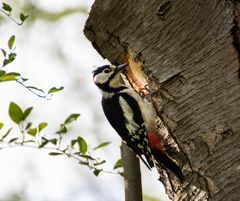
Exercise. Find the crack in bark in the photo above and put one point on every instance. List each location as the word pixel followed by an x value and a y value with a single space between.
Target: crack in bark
pixel 236 32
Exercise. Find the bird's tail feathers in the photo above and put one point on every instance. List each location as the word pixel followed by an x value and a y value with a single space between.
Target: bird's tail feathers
pixel 163 159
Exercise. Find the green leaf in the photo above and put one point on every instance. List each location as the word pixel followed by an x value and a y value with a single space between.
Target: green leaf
pixel 104 144
pixel 13 140
pixel 11 42
pixel 96 172
pixel 26 113
pixel 29 124
pixel 118 164
pixel 10 59
pixel 53 141
pixel 32 131
pixel 71 118
pixel 85 156
pixel 82 145
pixel 62 130
pixel 12 56
pixel 15 113
pixel 6 7
pixel 2 72
pixel 55 89
pixel 55 153
pixel 13 74
pixel 9 76
pixel 23 17
pixel 73 142
pixel 7 133
pixel 4 52
pixel 1 125
pixel 42 125
pixel 44 142
pixel 84 163
pixel 24 79
pixel 6 62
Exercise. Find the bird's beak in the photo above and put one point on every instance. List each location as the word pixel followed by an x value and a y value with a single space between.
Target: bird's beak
pixel 121 67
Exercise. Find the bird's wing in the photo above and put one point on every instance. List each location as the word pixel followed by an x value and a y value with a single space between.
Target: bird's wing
pixel 124 114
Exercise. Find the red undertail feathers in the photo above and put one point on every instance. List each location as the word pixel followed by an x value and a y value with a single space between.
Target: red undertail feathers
pixel 161 156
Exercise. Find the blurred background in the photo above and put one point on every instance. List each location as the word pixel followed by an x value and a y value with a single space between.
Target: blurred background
pixel 52 51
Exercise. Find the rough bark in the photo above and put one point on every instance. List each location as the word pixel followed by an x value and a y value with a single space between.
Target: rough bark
pixel 190 56
pixel 132 175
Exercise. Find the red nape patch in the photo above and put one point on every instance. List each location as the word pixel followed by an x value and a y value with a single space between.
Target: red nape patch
pixel 154 141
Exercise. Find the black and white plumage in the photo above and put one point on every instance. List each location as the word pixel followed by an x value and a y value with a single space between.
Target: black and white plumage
pixel 132 117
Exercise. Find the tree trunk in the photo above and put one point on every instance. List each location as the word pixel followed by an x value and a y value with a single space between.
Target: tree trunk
pixel 189 52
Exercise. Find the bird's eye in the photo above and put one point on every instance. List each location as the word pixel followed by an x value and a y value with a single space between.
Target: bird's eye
pixel 107 70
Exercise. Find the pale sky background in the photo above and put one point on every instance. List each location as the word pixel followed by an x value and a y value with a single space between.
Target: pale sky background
pixel 58 54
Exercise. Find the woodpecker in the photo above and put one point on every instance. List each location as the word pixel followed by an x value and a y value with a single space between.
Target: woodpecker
pixel 132 117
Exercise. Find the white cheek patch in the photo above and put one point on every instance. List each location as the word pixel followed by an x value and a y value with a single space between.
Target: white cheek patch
pixel 100 78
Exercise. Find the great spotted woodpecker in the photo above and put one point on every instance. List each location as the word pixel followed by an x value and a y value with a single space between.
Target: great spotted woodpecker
pixel 132 117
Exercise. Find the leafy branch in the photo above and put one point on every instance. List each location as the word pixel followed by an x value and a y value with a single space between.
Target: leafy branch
pixel 34 137
pixel 7 10
pixel 9 56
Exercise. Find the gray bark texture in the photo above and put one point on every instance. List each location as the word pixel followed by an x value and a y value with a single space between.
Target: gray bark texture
pixel 189 54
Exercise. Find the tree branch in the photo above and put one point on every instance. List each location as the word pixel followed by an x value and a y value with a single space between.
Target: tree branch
pixel 132 174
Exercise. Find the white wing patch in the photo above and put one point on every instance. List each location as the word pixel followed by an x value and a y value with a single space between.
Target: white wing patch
pixel 131 125
pixel 146 108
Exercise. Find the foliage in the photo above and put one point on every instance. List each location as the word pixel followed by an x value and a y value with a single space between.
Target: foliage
pixel 34 135
pixel 7 10
pixel 9 56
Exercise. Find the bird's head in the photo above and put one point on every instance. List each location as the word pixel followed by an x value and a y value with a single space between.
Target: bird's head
pixel 108 77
